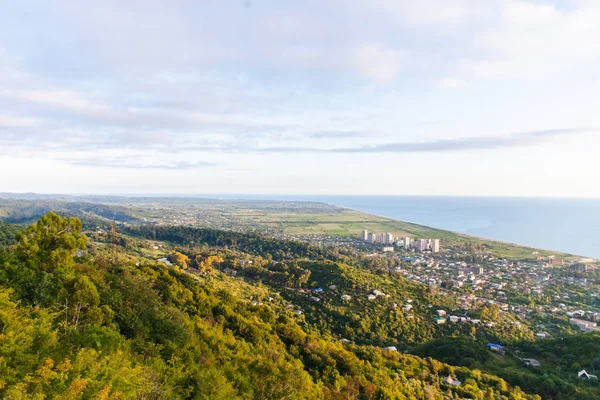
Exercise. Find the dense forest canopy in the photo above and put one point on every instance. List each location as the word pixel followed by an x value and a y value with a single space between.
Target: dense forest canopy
pixel 81 320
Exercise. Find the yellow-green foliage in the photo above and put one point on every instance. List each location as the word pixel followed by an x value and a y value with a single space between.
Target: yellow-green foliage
pixel 85 328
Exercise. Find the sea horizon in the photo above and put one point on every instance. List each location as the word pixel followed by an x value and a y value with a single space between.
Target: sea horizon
pixel 561 224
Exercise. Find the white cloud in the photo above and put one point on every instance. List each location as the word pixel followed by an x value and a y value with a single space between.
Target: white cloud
pixel 215 77
pixel 7 121
pixel 535 41
pixel 378 62
pixel 452 83
pixel 429 12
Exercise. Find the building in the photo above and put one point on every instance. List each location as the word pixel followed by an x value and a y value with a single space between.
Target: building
pixel 531 362
pixel 556 262
pixel 582 267
pixel 388 249
pixel 452 382
pixel 422 245
pixel 477 270
pixel 434 245
pixel 496 347
pixel 371 237
pixel 583 325
pixel 389 238
pixel 584 375
pixel 365 235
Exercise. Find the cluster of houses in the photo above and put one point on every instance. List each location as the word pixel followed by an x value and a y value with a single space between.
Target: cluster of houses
pixel 492 281
pixel 442 317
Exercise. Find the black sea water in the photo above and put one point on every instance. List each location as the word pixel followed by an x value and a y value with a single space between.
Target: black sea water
pixel 563 224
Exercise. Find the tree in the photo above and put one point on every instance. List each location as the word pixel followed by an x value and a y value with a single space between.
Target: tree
pixel 44 257
pixel 179 259
pixel 206 265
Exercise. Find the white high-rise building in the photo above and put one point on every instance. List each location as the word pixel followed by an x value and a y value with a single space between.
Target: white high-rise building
pixel 380 238
pixel 365 235
pixel 389 238
pixel 371 237
pixel 435 245
pixel 408 242
pixel 422 244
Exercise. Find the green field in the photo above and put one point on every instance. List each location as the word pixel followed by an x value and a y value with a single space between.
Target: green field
pixel 346 222
pixel 290 218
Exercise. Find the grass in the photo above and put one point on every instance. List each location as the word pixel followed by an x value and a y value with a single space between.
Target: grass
pixel 352 223
pixel 296 219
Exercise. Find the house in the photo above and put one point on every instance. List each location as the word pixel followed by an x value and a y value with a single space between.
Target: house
pixel 298 312
pixel 441 313
pixel 531 362
pixel 166 261
pixel 318 290
pixel 495 347
pixel 542 335
pixel 390 348
pixel 453 318
pixel 450 381
pixel 371 297
pixel 583 325
pixel 440 320
pixel 313 298
pixel 332 287
pixel 584 375
pixel 346 297
pixel 377 293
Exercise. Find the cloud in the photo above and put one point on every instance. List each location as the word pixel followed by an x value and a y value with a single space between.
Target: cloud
pixel 278 76
pixel 452 83
pixel 419 13
pixel 536 40
pixel 335 134
pixel 7 121
pixel 127 163
pixel 444 145
pixel 378 62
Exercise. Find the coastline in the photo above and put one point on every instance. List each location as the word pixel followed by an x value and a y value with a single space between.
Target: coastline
pixel 466 236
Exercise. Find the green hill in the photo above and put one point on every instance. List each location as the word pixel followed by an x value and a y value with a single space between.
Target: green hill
pixel 231 318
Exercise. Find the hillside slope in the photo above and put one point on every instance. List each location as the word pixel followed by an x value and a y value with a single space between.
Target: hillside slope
pixel 78 323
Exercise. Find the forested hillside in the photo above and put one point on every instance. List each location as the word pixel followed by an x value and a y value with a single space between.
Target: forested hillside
pixel 8 233
pixel 77 324
pixel 21 211
pixel 231 317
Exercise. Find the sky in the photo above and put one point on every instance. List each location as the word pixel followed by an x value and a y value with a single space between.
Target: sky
pixel 432 97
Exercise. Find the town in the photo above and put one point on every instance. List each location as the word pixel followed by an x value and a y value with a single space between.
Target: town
pixel 420 245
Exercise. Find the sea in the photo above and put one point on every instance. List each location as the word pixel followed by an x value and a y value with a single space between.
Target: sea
pixel 570 225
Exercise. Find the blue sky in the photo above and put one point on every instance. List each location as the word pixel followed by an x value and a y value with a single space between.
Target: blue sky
pixel 456 97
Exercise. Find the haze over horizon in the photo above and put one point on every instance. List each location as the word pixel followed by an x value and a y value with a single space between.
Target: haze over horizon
pixel 317 97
